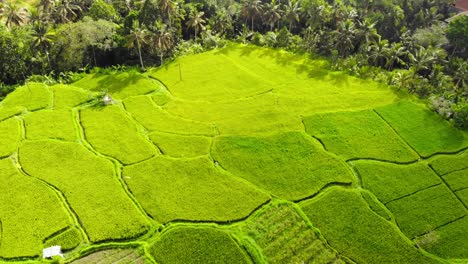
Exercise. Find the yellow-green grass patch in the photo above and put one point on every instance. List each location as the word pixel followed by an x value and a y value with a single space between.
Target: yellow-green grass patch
pixel 90 185
pixel 426 210
pixel 352 228
pixel 119 85
pixel 423 129
pixel 30 212
pixel 457 180
pixel 154 118
pixel 449 241
pixel 67 240
pixel 359 135
pixel 68 96
pixel 7 112
pixel 288 165
pixel 463 195
pixel 111 132
pixel 449 163
pixel 190 189
pixel 10 131
pixel 46 124
pixel 391 181
pixel 184 244
pixel 180 145
pixel 32 96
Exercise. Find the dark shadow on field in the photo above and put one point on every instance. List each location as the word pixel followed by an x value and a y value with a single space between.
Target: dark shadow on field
pixel 114 83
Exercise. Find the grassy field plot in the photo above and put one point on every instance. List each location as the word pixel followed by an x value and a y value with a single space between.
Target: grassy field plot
pixel 190 189
pixel 184 244
pixel 29 213
pixel 90 185
pixel 284 237
pixel 68 96
pixel 112 133
pixel 391 181
pixel 32 96
pixel 7 112
pixel 449 163
pixel 463 195
pixel 180 145
pixel 46 124
pixel 114 256
pixel 457 180
pixel 426 210
pixel 154 118
pixel 10 131
pixel 349 226
pixel 287 165
pixel 423 129
pixel 359 135
pixel 69 239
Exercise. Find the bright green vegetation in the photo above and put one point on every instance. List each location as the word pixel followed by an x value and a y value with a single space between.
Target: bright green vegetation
pixel 446 164
pixel 391 181
pixel 120 85
pixel 359 135
pixel 46 124
pixel 185 244
pixel 284 237
pixel 154 118
pixel 181 146
pixel 349 226
pixel 90 185
pixel 190 189
pixel 375 205
pixel 7 112
pixel 423 129
pixel 29 202
pixel 294 172
pixel 66 96
pixel 69 239
pixel 32 96
pixel 111 132
pixel 426 210
pixel 457 180
pixel 449 241
pixel 115 255
pixel 10 131
pixel 463 195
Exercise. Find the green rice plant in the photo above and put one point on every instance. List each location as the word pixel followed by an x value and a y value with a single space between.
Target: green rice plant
pixel 284 237
pixel 111 132
pixel 119 85
pixel 68 96
pixel 32 96
pixel 186 244
pixel 10 131
pixel 288 165
pixel 54 124
pixel 115 255
pixel 161 97
pixel 457 180
pixel 423 129
pixel 154 118
pixel 359 135
pixel 391 181
pixel 375 206
pixel 7 112
pixel 463 195
pixel 426 210
pixel 29 213
pixel 190 189
pixel 89 184
pixel 446 164
pixel 181 146
pixel 352 228
pixel 449 241
pixel 67 240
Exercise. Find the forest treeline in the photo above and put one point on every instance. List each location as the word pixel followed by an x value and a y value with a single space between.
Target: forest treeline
pixel 404 43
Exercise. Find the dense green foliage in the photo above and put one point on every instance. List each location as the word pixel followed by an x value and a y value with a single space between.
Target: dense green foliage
pixel 46 124
pixel 447 164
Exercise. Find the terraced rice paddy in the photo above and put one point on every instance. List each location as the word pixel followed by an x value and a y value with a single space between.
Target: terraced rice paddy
pixel 237 155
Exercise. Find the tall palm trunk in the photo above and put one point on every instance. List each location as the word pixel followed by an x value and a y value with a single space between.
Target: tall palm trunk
pixel 139 54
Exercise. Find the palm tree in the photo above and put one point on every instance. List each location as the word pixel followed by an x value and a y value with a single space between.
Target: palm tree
pixel 196 22
pixel 422 59
pixel 378 51
pixel 394 55
pixel 42 39
pixel 168 8
pixel 344 37
pixel 47 5
pixel 251 9
pixel 137 38
pixel 272 14
pixel 67 11
pixel 292 11
pixel 163 40
pixel 14 15
pixel 366 32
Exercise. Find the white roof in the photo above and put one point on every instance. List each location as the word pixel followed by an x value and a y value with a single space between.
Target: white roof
pixel 52 251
